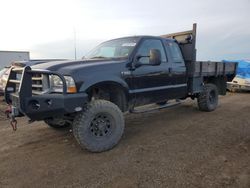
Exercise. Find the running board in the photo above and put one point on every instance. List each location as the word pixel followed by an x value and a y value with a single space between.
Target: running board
pixel 168 105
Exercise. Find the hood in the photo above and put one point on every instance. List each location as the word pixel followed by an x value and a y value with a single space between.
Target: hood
pixel 32 62
pixel 66 67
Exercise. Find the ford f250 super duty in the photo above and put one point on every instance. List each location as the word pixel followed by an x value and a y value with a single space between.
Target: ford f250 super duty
pixel 117 76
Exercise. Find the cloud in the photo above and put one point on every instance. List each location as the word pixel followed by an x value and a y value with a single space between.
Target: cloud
pixel 46 28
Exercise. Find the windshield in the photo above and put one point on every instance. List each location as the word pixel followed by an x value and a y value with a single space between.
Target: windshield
pixel 117 48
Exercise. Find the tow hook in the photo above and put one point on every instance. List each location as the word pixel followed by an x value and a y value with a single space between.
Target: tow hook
pixel 13 123
pixel 10 115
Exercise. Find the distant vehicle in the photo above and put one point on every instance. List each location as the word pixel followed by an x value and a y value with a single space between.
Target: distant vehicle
pixel 238 84
pixel 3 79
pixel 115 77
pixel 5 72
pixel 242 79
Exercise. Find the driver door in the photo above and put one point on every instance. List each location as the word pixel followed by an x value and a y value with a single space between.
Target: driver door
pixel 150 83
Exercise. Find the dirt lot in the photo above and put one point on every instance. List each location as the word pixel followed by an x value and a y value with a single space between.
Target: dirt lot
pixel 178 147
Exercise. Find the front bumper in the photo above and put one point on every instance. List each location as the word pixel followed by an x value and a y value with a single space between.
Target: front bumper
pixel 43 106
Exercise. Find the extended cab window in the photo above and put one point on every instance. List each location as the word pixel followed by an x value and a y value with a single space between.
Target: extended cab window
pixel 175 52
pixel 149 44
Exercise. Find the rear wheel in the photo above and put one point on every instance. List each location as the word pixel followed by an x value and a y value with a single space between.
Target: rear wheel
pixel 99 127
pixel 208 99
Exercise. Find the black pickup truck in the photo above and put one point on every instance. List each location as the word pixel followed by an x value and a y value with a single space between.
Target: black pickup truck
pixel 117 76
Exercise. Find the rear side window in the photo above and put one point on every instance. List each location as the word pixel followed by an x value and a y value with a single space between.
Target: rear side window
pixel 149 44
pixel 175 52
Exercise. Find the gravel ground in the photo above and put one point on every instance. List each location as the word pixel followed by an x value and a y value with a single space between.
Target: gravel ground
pixel 177 147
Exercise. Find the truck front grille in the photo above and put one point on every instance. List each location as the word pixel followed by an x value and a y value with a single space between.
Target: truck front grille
pixel 40 83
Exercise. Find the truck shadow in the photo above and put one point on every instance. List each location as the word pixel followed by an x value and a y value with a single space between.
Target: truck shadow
pixel 165 118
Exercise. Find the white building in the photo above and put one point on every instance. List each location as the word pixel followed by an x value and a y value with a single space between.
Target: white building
pixel 7 57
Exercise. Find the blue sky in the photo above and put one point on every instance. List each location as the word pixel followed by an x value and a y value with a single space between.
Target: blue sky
pixel 46 27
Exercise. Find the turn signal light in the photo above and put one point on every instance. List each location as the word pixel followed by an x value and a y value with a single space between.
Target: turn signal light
pixel 71 90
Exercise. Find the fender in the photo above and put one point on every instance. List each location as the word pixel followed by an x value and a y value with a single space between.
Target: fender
pixel 103 79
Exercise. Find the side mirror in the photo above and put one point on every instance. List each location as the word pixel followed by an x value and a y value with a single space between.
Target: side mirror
pixel 154 57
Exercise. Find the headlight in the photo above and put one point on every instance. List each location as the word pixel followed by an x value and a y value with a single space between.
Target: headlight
pixel 56 84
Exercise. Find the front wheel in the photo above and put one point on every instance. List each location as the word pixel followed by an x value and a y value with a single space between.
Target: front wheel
pixel 208 98
pixel 99 127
